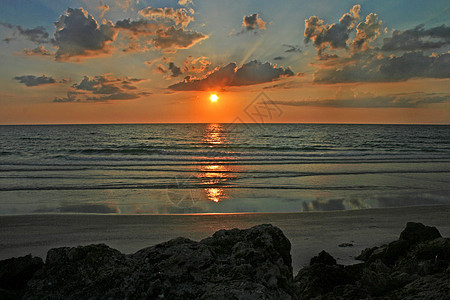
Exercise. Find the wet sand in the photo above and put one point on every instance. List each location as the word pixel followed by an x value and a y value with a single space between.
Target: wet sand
pixel 309 233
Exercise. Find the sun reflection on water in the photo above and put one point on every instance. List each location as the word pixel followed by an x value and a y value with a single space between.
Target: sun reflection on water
pixel 216 173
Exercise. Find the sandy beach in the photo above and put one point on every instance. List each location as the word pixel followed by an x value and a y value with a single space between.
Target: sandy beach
pixel 309 233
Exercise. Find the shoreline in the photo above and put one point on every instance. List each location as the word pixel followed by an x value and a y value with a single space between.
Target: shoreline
pixel 308 232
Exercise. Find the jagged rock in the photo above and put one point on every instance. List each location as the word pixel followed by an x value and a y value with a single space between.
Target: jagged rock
pixel 248 264
pixel 413 267
pixel 234 264
pixel 417 232
pixel 15 272
pixel 323 258
pixel 323 275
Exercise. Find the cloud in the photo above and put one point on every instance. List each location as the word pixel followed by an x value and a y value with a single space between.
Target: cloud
pixel 38 51
pixel 104 84
pixel 102 88
pixel 114 96
pixel 334 36
pixel 185 2
pixel 292 48
pixel 251 73
pixel 37 35
pixel 368 100
pixel 278 58
pixel 190 65
pixel 140 27
pixel 71 97
pixel 78 35
pixel 377 68
pixel 253 22
pixel 362 62
pixel 103 8
pixel 366 32
pixel 162 28
pixel 176 38
pixel 179 16
pixel 176 71
pixel 31 80
pixel 418 38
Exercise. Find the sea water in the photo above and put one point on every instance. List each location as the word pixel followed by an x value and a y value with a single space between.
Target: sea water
pixel 221 168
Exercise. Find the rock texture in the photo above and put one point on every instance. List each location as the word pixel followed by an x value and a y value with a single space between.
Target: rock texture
pixel 253 263
pixel 236 264
pixel 416 266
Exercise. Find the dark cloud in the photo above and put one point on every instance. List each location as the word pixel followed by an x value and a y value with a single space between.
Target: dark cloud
pixel 38 51
pixel 292 48
pixel 372 67
pixel 179 16
pixel 334 36
pixel 104 84
pixel 31 80
pixel 162 28
pixel 363 62
pixel 140 27
pixel 176 38
pixel 37 35
pixel 278 58
pixel 165 38
pixel 190 65
pixel 113 96
pixel 367 100
pixel 176 71
pixel 253 22
pixel 78 35
pixel 251 73
pixel 72 96
pixel 102 88
pixel 418 39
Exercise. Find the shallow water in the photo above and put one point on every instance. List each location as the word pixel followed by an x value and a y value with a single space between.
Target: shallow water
pixel 215 168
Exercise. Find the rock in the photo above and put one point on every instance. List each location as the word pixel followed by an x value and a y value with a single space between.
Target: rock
pixel 15 272
pixel 253 263
pixel 345 245
pixel 417 232
pixel 323 258
pixel 366 253
pixel 323 275
pixel 414 267
pixel 247 264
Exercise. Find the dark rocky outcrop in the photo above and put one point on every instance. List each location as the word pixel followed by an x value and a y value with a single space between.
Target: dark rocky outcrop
pixel 15 274
pixel 416 266
pixel 253 263
pixel 247 264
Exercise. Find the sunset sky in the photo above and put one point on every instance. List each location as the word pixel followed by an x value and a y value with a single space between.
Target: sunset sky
pixel 160 61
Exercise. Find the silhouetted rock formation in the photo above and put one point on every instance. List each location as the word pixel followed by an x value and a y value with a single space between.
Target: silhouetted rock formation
pixel 253 263
pixel 416 266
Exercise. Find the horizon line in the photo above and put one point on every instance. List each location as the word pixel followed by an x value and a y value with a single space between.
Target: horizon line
pixel 245 123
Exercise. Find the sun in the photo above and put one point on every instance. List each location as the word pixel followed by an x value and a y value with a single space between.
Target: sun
pixel 213 98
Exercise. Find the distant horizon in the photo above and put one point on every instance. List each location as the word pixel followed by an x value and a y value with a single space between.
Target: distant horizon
pixel 253 123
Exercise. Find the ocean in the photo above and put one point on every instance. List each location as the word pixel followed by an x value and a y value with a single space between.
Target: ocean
pixel 221 168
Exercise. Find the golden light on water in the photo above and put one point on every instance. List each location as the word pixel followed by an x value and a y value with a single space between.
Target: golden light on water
pixel 213 98
pixel 215 194
pixel 216 172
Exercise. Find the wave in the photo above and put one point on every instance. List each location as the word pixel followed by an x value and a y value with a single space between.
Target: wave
pixel 177 186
